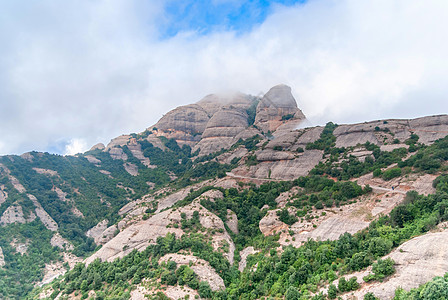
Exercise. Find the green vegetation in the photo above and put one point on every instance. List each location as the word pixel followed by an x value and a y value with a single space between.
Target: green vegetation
pixel 381 269
pixel 326 141
pixel 321 190
pixel 437 288
pixel 297 272
pixel 21 271
pixel 287 117
pixel 251 111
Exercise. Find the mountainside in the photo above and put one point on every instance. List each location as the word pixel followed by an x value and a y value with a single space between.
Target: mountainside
pixel 230 197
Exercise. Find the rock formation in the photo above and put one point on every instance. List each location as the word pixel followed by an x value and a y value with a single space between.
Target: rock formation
pixel 277 103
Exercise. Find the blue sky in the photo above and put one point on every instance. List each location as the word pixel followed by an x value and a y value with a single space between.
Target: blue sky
pixel 204 17
pixel 77 72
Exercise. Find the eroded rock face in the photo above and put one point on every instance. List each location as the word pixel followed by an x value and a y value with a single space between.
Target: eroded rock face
pixel 244 254
pixel 131 168
pixel 2 258
pixel 232 221
pixel 93 160
pixel 177 292
pixel 378 132
pixel 43 215
pixel 191 119
pixel 14 214
pixel 140 234
pixel 277 102
pixel 118 153
pixel 281 165
pixel 417 262
pixel 227 122
pixel 118 141
pixel 201 267
pixel 101 233
pixel 58 241
pixel 99 146
pixel 3 194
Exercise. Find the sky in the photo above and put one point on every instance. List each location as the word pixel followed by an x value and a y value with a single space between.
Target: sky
pixel 75 73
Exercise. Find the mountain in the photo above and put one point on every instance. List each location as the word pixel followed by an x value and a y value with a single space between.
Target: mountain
pixel 233 196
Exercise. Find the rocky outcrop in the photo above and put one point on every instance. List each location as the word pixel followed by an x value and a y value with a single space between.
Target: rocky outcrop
pixel 61 194
pixel 201 267
pixel 2 258
pixel 96 231
pixel 46 172
pixel 93 160
pixel 14 214
pixel 281 166
pixel 43 215
pixel 190 119
pixel 101 233
pixel 118 142
pixel 225 124
pixel 430 128
pixel 378 132
pixel 131 168
pixel 416 262
pixel 58 241
pixel 136 151
pixel 177 292
pixel 117 153
pixel 232 221
pixel 140 234
pixel 185 123
pixel 275 104
pixel 3 194
pixel 99 146
pixel 244 254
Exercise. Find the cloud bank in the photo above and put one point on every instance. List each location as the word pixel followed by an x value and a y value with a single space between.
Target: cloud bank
pixel 75 73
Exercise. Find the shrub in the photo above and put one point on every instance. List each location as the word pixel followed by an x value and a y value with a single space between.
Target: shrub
pixel 370 296
pixel 292 293
pixel 391 173
pixel 332 291
pixel 377 173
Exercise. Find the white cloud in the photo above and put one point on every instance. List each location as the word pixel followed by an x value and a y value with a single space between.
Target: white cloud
pixel 96 69
pixel 76 146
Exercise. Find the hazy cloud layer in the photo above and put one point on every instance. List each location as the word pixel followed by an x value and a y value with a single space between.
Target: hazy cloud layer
pixel 74 73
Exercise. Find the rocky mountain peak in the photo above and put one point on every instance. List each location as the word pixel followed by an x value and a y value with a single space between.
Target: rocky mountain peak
pixel 215 121
pixel 279 96
pixel 276 106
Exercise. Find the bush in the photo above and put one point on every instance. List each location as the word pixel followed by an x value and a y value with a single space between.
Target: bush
pixel 332 291
pixel 292 293
pixel 377 173
pixel 391 173
pixel 342 285
pixel 370 296
pixel 383 268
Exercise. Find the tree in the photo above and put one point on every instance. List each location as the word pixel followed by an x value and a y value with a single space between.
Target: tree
pixel 292 293
pixel 342 285
pixel 204 290
pixel 370 296
pixel 332 291
pixel 435 289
